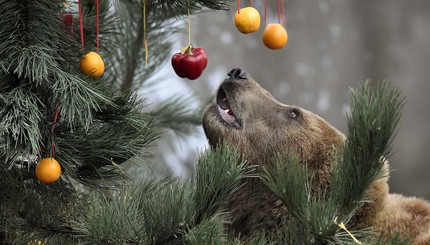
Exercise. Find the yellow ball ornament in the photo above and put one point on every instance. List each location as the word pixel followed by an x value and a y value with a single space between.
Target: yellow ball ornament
pixel 275 36
pixel 48 170
pixel 92 65
pixel 247 20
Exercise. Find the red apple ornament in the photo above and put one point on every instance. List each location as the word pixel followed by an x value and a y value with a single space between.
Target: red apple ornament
pixel 190 63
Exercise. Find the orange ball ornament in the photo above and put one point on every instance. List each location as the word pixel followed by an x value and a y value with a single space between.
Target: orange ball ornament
pixel 48 170
pixel 275 36
pixel 92 65
pixel 247 20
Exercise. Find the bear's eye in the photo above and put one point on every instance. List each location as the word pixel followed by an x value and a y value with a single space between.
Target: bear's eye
pixel 293 113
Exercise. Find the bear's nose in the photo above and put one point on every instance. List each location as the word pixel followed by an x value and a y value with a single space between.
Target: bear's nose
pixel 236 73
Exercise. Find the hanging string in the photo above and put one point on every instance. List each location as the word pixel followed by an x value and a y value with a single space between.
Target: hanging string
pixel 189 24
pixel 343 227
pixel 283 13
pixel 238 6
pixel 97 26
pixel 57 111
pixel 279 11
pixel 250 2
pixel 81 23
pixel 145 42
pixel 265 10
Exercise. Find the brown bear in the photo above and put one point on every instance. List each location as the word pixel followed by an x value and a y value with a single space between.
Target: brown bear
pixel 247 116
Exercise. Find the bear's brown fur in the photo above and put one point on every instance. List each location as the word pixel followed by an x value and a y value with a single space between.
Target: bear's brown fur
pixel 249 117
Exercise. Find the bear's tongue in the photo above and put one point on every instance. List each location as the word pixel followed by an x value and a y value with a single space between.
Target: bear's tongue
pixel 228 116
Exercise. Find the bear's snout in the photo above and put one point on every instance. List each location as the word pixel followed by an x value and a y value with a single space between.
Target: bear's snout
pixel 236 74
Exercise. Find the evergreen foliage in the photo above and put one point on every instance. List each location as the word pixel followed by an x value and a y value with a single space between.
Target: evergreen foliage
pixel 176 115
pixel 372 126
pixel 101 123
pixel 168 211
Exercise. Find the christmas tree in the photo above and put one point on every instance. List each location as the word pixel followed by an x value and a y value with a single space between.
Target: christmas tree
pixel 92 123
pixel 83 125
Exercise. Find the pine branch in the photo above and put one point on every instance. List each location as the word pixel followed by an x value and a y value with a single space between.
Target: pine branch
pixel 170 9
pixel 32 211
pixel 167 211
pixel 208 230
pixel 175 114
pixel 311 220
pixel 218 175
pixel 290 181
pixel 19 124
pixel 29 41
pixel 132 130
pixel 372 126
pixel 77 100
pixel 106 222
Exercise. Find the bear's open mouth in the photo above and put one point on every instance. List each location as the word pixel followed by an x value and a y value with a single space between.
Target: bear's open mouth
pixel 224 109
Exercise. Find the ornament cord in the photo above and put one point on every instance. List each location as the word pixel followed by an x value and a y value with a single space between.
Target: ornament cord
pixel 189 24
pixel 279 11
pixel 250 3
pixel 343 227
pixel 81 23
pixel 238 6
pixel 265 12
pixel 283 13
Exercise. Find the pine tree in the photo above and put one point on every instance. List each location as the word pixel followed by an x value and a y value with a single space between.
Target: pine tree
pixel 92 126
pixel 49 109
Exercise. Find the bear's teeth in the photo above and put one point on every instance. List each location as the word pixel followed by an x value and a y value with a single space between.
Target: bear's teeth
pixel 230 112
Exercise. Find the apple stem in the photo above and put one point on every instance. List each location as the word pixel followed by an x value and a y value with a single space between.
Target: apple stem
pixel 190 49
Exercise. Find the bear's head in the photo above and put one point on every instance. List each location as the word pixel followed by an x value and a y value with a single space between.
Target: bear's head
pixel 247 116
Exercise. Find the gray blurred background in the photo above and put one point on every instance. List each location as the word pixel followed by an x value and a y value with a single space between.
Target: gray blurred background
pixel 333 45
